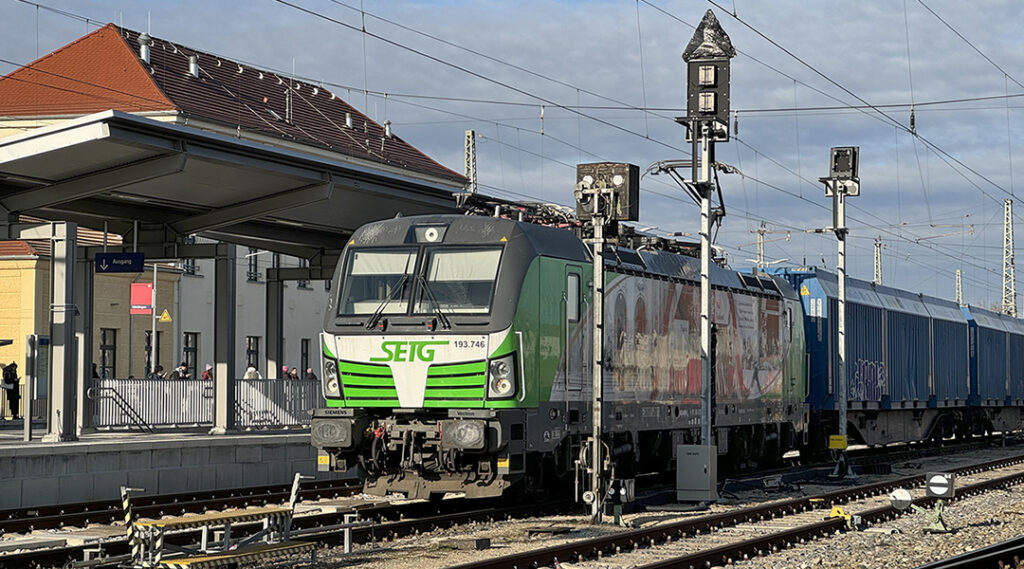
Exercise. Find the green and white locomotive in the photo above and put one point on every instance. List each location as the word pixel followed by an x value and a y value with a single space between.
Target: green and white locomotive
pixel 456 357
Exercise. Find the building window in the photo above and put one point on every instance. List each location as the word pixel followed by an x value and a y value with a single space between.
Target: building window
pixel 252 273
pixel 252 350
pixel 304 264
pixel 189 265
pixel 305 357
pixel 190 352
pixel 108 353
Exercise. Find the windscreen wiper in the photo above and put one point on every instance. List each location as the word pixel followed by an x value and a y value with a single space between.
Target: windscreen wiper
pixel 400 285
pixel 441 317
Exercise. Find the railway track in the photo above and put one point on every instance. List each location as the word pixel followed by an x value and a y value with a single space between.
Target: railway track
pixel 82 514
pixel 720 539
pixel 24 520
pixel 390 521
pixel 1007 554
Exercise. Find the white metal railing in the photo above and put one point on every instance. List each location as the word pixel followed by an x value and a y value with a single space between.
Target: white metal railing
pixel 125 403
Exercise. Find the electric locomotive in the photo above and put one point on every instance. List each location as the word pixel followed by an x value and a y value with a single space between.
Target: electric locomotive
pixel 456 357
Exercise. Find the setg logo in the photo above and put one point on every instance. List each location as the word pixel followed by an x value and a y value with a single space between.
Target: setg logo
pixel 408 351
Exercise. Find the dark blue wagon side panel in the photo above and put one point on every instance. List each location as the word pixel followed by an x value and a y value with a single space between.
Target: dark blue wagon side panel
pixel 907 344
pixel 1015 329
pixel 950 353
pixel 951 375
pixel 989 357
pixel 866 375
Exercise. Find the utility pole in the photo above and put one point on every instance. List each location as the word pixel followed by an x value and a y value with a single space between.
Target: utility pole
pixel 1009 282
pixel 605 192
pixel 841 182
pixel 878 262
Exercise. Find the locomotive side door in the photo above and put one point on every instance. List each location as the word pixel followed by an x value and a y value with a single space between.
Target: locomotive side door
pixel 574 340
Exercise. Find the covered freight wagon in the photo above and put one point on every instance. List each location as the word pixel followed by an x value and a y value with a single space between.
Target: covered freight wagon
pixel 906 353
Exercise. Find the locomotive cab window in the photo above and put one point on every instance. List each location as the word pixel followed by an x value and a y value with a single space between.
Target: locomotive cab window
pixel 458 281
pixel 572 297
pixel 377 280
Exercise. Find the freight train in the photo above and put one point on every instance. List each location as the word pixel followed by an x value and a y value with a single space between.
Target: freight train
pixel 456 357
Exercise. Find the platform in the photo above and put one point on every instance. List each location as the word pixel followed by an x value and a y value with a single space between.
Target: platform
pixel 96 466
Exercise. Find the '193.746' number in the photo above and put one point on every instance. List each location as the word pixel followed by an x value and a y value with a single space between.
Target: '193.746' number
pixel 468 343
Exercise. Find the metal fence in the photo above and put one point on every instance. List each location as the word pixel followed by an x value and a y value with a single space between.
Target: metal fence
pixel 142 403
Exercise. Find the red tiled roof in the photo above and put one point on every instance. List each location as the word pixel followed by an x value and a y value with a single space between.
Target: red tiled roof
pixel 17 249
pixel 102 71
pixel 94 73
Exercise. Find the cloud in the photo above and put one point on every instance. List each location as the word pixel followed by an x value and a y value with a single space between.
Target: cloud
pixel 594 48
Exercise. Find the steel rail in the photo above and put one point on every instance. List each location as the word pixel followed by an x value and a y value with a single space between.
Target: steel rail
pixel 760 546
pixel 629 540
pixel 81 514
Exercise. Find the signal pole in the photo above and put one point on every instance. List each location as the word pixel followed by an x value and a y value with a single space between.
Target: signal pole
pixel 597 413
pixel 842 181
pixel 605 192
pixel 707 119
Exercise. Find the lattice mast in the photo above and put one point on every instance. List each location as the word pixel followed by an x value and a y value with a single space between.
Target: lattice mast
pixel 1009 282
pixel 959 288
pixel 470 159
pixel 878 262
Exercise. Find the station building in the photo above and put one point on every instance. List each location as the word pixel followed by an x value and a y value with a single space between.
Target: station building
pixel 115 70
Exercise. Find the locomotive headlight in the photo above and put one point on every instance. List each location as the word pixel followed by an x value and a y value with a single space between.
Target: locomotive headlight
pixel 464 434
pixel 501 380
pixel 332 387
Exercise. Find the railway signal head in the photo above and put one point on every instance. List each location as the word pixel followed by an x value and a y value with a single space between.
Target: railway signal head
pixel 622 182
pixel 707 76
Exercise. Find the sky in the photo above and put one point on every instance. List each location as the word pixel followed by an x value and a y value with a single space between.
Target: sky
pixel 549 84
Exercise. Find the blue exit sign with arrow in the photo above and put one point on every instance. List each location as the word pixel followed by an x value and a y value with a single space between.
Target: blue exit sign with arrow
pixel 119 262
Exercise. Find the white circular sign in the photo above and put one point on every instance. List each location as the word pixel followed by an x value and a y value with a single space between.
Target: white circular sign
pixel 938 485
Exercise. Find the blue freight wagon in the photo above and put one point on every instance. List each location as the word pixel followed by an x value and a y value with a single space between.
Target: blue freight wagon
pixel 907 360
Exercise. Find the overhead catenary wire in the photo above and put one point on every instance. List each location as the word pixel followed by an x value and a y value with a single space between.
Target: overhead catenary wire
pixel 579 119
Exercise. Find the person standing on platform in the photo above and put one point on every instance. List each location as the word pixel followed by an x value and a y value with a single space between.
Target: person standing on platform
pixel 10 385
pixel 310 374
pixel 251 372
pixel 180 372
pixel 294 373
pixel 158 373
pixel 208 372
pixel 95 371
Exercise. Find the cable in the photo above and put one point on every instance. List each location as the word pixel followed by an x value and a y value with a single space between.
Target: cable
pixel 472 73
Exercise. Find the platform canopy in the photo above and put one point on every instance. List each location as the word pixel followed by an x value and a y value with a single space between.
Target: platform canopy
pixel 116 167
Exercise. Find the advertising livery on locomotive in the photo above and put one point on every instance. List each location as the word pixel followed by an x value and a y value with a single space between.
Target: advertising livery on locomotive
pixel 457 350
